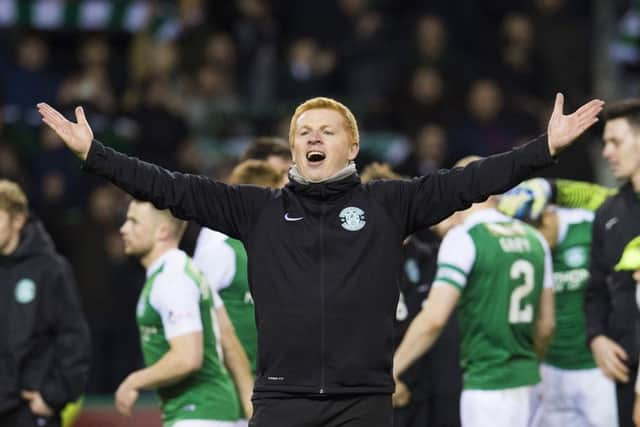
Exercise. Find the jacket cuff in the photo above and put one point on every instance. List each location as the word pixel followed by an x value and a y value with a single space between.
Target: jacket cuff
pixel 591 334
pixel 96 154
pixel 537 152
pixel 55 400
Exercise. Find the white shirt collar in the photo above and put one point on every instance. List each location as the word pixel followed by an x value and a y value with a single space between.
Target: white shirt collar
pixel 155 265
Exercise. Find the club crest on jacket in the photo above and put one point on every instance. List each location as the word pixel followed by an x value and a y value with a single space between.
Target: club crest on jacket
pixel 25 291
pixel 352 218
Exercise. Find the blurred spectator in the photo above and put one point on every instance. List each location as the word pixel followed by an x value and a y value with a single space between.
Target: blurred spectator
pixel 562 44
pixel 211 104
pixel 520 71
pixel 155 60
pixel 306 72
pixel 58 189
pixel 422 101
pixel 10 165
pixel 256 33
pixel 367 65
pixel 484 128
pixel 429 152
pixel 376 170
pixel 274 151
pixel 108 284
pixel 431 44
pixel 91 84
pixel 160 131
pixel 149 58
pixel 56 174
pixel 220 51
pixel 28 78
pixel 431 48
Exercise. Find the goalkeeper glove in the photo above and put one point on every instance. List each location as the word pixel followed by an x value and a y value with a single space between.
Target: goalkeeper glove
pixel 630 259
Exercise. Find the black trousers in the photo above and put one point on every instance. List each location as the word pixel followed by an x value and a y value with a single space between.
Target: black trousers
pixel 336 411
pixel 23 417
pixel 626 394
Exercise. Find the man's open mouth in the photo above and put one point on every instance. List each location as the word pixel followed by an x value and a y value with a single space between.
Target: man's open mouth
pixel 315 156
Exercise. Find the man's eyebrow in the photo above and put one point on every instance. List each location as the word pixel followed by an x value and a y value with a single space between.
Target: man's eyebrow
pixel 321 126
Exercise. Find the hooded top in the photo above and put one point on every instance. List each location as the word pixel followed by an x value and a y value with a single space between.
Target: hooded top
pixel 47 338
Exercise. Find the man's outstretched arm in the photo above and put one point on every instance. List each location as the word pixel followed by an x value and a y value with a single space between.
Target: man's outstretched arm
pixel 435 196
pixel 225 208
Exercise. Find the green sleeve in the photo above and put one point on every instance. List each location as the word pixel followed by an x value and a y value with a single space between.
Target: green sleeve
pixel 578 194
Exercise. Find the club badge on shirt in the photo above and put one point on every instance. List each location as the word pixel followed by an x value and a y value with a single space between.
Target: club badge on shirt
pixel 25 291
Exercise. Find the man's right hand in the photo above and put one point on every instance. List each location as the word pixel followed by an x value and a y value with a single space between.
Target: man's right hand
pixel 611 358
pixel 77 136
pixel 401 396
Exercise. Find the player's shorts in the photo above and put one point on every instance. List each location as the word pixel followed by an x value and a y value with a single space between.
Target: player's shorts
pixel 510 407
pixel 207 423
pixel 577 397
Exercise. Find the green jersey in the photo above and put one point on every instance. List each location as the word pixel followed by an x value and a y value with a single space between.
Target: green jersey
pixel 500 265
pixel 224 263
pixel 175 301
pixel 568 349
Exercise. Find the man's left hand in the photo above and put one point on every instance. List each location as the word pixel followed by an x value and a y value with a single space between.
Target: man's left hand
pixel 563 129
pixel 126 397
pixel 36 403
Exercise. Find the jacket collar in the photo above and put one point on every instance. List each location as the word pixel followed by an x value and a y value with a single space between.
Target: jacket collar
pixel 350 169
pixel 330 188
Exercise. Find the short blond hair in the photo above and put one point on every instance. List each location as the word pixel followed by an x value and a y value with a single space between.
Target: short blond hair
pixel 350 122
pixel 256 172
pixel 378 171
pixel 463 162
pixel 12 198
pixel 177 225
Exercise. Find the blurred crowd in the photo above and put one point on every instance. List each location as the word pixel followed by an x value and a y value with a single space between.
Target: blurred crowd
pixel 430 81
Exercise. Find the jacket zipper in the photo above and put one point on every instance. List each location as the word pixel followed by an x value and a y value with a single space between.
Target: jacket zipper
pixel 322 325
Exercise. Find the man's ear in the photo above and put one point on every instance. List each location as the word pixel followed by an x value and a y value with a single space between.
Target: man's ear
pixel 18 221
pixel 353 151
pixel 163 231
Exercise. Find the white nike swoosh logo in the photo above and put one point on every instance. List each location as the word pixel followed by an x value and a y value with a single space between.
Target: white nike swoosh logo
pixel 613 221
pixel 288 218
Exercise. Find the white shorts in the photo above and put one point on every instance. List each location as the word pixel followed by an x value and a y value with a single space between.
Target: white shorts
pixel 208 423
pixel 497 408
pixel 577 397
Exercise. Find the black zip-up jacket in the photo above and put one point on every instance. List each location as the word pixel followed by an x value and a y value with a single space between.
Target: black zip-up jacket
pixel 610 301
pixel 45 339
pixel 323 258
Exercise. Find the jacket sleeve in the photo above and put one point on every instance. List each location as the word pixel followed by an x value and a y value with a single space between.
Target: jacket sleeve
pixel 597 303
pixel 429 199
pixel 66 379
pixel 229 209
